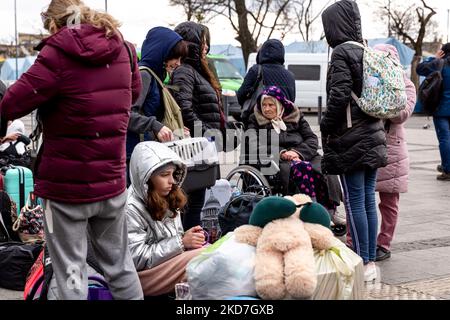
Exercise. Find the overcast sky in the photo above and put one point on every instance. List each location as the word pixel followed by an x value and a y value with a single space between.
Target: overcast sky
pixel 138 16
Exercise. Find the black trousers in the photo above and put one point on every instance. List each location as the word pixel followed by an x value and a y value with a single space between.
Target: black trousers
pixel 193 210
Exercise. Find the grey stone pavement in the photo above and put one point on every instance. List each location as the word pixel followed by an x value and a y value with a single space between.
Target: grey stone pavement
pixel 420 264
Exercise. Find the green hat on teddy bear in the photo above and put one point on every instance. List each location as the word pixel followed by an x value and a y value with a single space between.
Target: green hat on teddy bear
pixel 271 208
pixel 315 213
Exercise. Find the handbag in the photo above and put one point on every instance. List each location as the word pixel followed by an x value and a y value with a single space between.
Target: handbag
pixel 30 223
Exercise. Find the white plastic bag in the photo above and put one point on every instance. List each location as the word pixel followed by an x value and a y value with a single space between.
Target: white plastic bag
pixel 225 269
pixel 340 274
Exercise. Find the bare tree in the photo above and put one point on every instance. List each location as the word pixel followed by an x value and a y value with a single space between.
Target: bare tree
pixel 251 20
pixel 306 18
pixel 199 10
pixel 411 25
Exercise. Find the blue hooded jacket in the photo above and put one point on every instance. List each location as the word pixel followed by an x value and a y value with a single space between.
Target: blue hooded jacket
pixel 155 49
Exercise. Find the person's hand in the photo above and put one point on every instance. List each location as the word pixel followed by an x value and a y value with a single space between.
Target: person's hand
pixel 165 135
pixel 11 137
pixel 187 132
pixel 289 156
pixel 194 238
pixel 440 54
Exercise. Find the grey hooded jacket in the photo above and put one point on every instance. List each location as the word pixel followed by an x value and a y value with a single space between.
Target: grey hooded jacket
pixel 151 242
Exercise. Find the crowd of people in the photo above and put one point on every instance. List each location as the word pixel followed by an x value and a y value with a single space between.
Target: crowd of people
pixel 102 113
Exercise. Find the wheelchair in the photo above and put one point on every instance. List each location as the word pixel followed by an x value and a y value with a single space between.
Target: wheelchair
pixel 249 179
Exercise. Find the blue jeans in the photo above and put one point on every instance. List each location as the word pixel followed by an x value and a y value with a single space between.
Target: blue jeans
pixel 442 125
pixel 360 204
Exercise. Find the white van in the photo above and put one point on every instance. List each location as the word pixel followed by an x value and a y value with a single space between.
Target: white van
pixel 310 71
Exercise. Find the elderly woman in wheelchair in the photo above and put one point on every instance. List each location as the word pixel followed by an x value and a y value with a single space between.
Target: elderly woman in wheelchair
pixel 280 144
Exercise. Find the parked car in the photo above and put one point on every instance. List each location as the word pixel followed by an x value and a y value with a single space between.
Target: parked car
pixel 310 72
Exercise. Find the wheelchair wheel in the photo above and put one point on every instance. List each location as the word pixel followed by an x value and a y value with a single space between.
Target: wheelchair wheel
pixel 249 179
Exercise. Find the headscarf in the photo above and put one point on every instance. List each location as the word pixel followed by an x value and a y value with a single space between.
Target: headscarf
pixel 284 107
pixel 277 122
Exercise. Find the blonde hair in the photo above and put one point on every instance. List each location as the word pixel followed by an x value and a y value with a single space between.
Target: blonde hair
pixel 61 13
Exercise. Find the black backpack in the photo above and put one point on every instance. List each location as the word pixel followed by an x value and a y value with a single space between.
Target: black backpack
pixel 237 211
pixel 430 91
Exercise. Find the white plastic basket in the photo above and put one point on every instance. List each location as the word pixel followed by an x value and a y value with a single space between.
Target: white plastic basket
pixel 195 151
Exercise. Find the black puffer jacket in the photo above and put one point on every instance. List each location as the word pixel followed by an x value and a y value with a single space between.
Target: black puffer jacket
pixel 196 97
pixel 364 144
pixel 271 57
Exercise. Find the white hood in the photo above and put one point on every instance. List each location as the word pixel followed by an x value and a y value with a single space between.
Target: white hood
pixel 148 157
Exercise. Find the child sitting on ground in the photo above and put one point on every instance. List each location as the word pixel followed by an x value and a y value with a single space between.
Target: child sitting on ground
pixel 159 247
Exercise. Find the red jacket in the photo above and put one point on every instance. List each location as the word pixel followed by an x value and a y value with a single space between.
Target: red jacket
pixel 83 86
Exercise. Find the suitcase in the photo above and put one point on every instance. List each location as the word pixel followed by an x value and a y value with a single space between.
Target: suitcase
pixel 18 182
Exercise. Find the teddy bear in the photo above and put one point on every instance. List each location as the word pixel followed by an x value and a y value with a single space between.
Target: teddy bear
pixel 284 263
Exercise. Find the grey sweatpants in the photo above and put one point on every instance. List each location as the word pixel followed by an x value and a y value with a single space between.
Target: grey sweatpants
pixel 66 227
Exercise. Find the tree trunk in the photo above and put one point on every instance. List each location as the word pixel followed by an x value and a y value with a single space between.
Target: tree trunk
pixel 245 37
pixel 415 62
pixel 414 76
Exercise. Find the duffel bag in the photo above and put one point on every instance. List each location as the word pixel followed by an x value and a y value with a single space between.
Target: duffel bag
pixel 16 260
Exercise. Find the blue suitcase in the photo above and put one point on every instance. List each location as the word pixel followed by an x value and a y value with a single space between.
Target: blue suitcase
pixel 18 182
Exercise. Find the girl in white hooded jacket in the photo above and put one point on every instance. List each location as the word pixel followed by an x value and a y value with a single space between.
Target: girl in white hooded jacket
pixel 159 247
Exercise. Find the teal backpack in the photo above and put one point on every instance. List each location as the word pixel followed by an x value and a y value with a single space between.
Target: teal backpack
pixel 383 92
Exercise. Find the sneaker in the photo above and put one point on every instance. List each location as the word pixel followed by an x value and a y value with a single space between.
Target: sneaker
pixel 370 272
pixel 443 177
pixel 440 169
pixel 382 254
pixel 339 217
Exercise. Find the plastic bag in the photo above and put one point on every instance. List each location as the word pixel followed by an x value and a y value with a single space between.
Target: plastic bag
pixel 225 269
pixel 340 274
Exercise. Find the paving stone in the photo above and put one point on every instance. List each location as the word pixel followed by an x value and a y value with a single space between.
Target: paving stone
pixel 382 291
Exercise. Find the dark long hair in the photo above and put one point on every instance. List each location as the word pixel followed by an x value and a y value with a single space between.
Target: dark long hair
pixel 206 71
pixel 158 206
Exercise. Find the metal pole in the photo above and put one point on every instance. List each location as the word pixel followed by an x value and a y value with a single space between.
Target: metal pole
pixel 17 40
pixel 319 113
pixel 106 5
pixel 389 19
pixel 448 20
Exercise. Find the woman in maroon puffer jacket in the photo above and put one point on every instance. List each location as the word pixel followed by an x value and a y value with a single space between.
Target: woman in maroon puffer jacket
pixel 83 85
